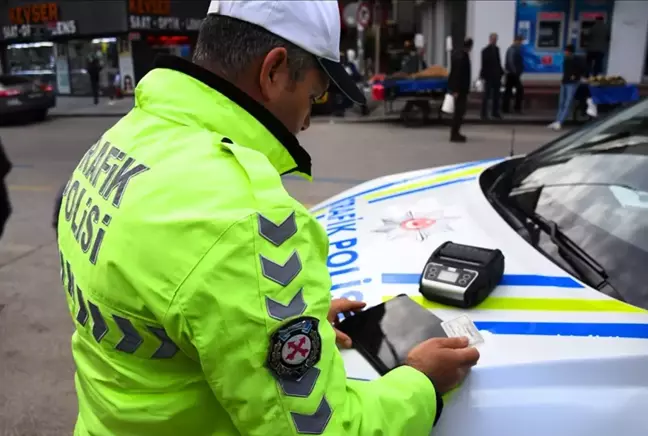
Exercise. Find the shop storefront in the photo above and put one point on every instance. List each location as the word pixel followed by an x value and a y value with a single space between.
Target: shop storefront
pixel 549 25
pixel 54 40
pixel 171 27
pixel 391 24
pixel 443 25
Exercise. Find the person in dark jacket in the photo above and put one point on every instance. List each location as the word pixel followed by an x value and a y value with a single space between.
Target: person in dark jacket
pixel 514 66
pixel 599 38
pixel 574 70
pixel 413 62
pixel 491 73
pixel 5 204
pixel 94 70
pixel 459 87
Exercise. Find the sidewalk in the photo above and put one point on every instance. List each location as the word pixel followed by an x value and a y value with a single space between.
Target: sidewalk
pixel 84 107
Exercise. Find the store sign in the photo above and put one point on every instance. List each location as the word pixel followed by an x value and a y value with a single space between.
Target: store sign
pixel 39 20
pixel 50 29
pixel 156 15
pixel 149 7
pixel 149 22
pixel 37 13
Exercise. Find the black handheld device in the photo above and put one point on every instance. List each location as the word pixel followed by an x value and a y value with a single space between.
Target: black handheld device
pixel 385 334
pixel 461 275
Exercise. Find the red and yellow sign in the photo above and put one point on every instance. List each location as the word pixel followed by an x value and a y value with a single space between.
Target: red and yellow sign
pixel 36 13
pixel 149 7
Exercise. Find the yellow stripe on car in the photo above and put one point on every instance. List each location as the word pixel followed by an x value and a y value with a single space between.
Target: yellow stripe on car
pixel 409 186
pixel 540 304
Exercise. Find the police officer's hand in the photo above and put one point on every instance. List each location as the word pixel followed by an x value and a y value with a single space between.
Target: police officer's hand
pixel 338 306
pixel 446 361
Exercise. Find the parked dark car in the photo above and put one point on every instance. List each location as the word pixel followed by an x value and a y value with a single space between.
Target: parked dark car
pixel 25 98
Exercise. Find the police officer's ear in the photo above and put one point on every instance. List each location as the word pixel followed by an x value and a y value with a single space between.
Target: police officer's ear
pixel 274 75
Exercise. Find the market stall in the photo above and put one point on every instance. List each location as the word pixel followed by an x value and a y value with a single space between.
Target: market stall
pixel 606 93
pixel 418 90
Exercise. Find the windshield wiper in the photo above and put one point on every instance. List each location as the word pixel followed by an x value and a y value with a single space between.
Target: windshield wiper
pixel 588 269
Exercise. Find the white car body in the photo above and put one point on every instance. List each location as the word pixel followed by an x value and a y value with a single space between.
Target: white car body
pixel 559 358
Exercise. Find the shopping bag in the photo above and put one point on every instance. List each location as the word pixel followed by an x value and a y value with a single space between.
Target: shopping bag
pixel 592 111
pixel 448 104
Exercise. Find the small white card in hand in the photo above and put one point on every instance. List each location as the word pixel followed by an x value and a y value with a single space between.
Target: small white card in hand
pixel 463 327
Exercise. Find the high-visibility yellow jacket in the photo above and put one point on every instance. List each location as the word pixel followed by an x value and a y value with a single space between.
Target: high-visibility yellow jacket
pixel 198 286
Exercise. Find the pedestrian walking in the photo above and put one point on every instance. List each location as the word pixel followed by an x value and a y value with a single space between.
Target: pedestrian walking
pixel 573 71
pixel 94 69
pixel 459 86
pixel 599 38
pixel 514 66
pixel 198 286
pixel 5 204
pixel 491 73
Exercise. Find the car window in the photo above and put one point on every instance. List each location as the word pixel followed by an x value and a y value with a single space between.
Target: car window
pixel 595 187
pixel 13 80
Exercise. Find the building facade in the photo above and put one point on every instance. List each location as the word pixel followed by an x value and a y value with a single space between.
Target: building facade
pixel 547 26
pixel 53 40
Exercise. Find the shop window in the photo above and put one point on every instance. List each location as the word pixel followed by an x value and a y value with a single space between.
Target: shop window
pixel 32 59
pixel 80 53
pixel 62 69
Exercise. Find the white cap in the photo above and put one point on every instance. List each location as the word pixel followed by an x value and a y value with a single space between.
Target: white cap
pixel 313 25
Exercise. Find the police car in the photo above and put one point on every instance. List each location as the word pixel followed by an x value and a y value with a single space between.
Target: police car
pixel 564 334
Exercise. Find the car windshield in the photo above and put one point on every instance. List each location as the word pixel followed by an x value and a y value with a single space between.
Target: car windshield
pixel 593 184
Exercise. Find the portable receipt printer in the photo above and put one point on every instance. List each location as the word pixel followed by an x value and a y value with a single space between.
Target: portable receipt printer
pixel 461 275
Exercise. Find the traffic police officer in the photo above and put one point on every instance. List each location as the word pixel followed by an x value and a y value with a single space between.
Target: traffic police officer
pixel 198 287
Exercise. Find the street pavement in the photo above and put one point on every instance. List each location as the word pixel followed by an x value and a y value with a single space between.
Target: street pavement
pixel 36 370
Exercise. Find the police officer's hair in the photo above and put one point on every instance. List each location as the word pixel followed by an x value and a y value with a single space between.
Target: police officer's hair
pixel 228 46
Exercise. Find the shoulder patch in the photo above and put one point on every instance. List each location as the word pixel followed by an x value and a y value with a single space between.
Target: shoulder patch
pixel 295 347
